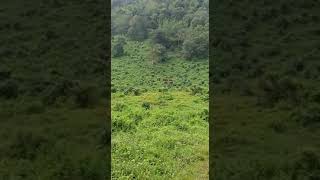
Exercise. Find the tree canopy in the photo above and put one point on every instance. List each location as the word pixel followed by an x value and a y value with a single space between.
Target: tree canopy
pixel 176 25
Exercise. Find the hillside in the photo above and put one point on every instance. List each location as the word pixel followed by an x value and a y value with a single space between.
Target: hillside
pixel 265 65
pixel 159 130
pixel 53 70
pixel 160 89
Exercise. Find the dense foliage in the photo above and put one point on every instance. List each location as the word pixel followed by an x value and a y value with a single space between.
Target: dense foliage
pixel 160 89
pixel 265 80
pixel 159 116
pixel 179 25
pixel 53 89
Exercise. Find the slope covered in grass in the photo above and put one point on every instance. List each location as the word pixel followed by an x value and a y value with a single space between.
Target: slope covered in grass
pixel 159 130
pixel 53 59
pixel 265 65
pixel 135 70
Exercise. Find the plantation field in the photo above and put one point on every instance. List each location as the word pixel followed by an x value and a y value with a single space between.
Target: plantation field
pixel 159 130
pixel 135 71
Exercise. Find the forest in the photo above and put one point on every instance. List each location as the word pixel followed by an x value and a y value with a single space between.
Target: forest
pixel 160 95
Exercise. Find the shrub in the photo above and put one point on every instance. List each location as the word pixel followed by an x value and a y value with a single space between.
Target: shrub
pixel 114 90
pixel 136 92
pixel 196 90
pixel 120 124
pixel 136 117
pixel 146 105
pixel 127 90
pixel 118 46
pixel 205 115
pixel 119 107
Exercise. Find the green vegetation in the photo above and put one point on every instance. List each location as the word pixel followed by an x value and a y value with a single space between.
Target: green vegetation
pixel 265 83
pixel 158 135
pixel 177 26
pixel 159 121
pixel 53 90
pixel 160 89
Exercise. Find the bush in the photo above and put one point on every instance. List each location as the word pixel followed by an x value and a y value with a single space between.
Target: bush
pixel 196 90
pixel 120 124
pixel 146 105
pixel 118 46
pixel 136 92
pixel 131 90
pixel 119 107
pixel 205 115
pixel 114 90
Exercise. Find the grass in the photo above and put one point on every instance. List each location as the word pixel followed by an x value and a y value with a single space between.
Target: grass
pixel 54 143
pixel 255 142
pixel 261 128
pixel 162 131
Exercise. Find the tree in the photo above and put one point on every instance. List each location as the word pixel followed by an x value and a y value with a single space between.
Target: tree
pixel 170 34
pixel 201 17
pixel 118 46
pixel 159 37
pixel 196 44
pixel 138 28
pixel 120 24
pixel 158 54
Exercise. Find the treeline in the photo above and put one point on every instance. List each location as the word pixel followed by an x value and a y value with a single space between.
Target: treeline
pixel 178 26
